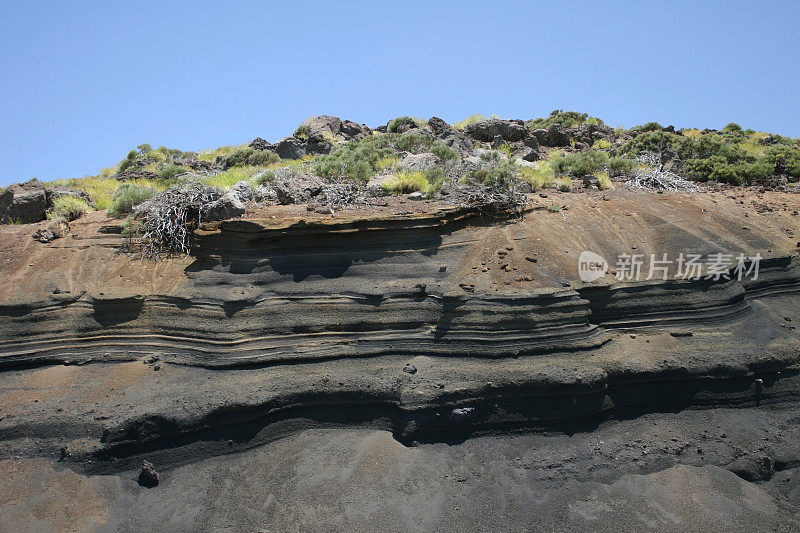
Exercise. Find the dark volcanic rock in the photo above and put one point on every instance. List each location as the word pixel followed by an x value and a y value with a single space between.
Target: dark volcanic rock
pixel 296 187
pixel 148 477
pixel 24 203
pixel 294 148
pixel 229 206
pixel 527 153
pixel 260 144
pixel 404 125
pixel 351 130
pixel 410 369
pixel 136 173
pixel 244 191
pixel 438 126
pixel 457 141
pixel 555 135
pixel 488 130
pixel 320 123
pixel 753 468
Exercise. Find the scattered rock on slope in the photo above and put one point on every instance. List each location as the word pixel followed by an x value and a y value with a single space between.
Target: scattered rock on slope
pixel 56 229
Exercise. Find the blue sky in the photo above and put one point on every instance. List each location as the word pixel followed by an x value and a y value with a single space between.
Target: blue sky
pixel 84 82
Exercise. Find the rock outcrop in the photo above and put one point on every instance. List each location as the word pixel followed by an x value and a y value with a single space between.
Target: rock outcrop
pixel 25 203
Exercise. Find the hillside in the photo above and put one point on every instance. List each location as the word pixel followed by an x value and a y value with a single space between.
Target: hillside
pixel 398 328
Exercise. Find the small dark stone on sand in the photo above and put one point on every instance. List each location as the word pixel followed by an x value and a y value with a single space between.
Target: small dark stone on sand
pixel 148 477
pixel 410 369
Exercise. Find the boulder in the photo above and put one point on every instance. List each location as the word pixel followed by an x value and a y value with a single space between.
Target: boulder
pixel 24 203
pixel 244 191
pixel 229 206
pixel 530 141
pixel 320 123
pixel 416 196
pixel 555 135
pixel 56 229
pixel 353 131
pixel 294 148
pixel 403 125
pixel 265 193
pixel 438 126
pixel 419 162
pixel 526 153
pixel 260 144
pixel 376 183
pixel 487 130
pixel 457 141
pixel 294 187
pixel 148 477
pixel 291 148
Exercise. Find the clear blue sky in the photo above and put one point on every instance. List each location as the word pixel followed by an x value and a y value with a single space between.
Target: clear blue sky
pixel 84 82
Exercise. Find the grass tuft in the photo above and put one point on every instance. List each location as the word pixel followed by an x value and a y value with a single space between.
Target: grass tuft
pixel 407 182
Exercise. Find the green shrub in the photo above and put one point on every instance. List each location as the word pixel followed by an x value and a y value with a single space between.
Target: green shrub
pixel 604 181
pixel 496 173
pixel 268 176
pixel 566 119
pixel 650 126
pixel 436 178
pixel 248 156
pixel 127 196
pixel 659 142
pixel 580 164
pixel 395 123
pixel 602 144
pixel 539 177
pixel 620 166
pixel 358 160
pixel 170 171
pixel 302 131
pixel 732 127
pixel 132 227
pixel 443 152
pixel 785 159
pixel 128 162
pixel 413 142
pixel 69 207
pixel 226 180
pixel 564 184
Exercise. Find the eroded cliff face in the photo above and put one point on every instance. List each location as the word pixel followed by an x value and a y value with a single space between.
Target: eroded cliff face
pixel 276 325
pixel 444 283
